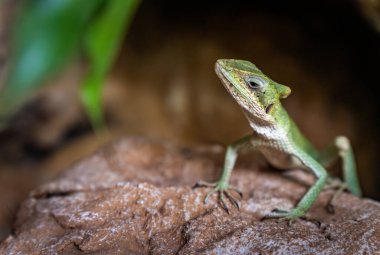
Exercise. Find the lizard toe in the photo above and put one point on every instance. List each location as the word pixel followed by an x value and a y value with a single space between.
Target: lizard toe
pixel 224 193
pixel 284 215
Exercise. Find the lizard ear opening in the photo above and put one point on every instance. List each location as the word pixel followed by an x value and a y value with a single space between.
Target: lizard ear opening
pixel 282 90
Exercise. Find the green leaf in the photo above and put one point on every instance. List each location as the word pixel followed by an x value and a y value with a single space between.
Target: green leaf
pixel 102 43
pixel 46 34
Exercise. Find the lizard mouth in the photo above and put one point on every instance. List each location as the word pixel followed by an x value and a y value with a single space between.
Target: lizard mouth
pixel 269 108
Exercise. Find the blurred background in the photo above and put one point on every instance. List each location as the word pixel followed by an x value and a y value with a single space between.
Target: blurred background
pixel 75 74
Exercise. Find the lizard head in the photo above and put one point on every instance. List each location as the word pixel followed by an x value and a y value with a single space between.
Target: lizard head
pixel 255 92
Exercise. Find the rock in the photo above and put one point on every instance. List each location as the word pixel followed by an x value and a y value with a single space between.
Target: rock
pixel 134 197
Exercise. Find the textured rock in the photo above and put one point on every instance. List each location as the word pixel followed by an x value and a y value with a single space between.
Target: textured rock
pixel 134 197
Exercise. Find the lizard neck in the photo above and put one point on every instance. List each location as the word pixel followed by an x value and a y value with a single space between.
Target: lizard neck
pixel 276 128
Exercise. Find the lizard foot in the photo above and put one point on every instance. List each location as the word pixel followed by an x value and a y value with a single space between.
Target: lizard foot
pixel 223 191
pixel 339 189
pixel 284 215
pixel 333 183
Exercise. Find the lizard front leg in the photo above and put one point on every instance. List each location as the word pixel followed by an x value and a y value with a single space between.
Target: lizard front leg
pixel 222 186
pixel 311 195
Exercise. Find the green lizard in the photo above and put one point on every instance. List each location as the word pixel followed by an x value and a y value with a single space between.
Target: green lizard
pixel 276 136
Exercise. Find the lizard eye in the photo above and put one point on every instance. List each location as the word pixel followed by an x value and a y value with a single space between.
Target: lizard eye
pixel 253 83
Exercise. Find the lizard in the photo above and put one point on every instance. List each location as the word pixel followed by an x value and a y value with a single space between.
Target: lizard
pixel 277 137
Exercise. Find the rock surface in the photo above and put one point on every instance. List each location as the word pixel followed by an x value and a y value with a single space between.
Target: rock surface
pixel 134 197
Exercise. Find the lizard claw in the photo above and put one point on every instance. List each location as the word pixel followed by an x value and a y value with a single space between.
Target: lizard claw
pixel 284 215
pixel 290 216
pixel 339 189
pixel 223 192
pixel 199 184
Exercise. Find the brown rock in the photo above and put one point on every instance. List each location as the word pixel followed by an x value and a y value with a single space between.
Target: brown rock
pixel 135 197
